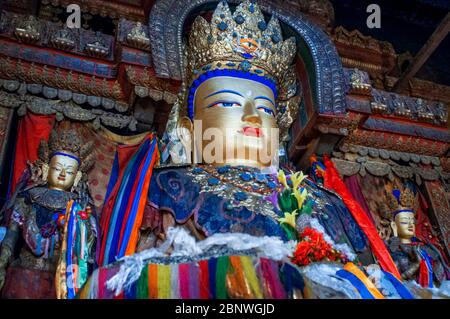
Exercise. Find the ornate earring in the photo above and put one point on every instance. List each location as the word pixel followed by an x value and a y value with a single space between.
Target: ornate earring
pixel 184 135
pixel 77 179
pixel 45 169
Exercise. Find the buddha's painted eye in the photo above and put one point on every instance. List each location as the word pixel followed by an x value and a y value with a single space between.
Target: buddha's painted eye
pixel 266 110
pixel 224 104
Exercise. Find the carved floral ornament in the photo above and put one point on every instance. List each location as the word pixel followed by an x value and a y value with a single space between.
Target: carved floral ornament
pixel 383 102
pixel 63 95
pixel 146 84
pixel 58 78
pixel 357 39
pixel 355 159
pixel 63 110
pixel 409 107
pixel 112 9
pixel 339 125
pixel 397 142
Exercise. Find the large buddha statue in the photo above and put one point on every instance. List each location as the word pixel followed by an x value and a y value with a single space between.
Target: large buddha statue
pixel 51 230
pixel 241 96
pixel 415 260
pixel 222 219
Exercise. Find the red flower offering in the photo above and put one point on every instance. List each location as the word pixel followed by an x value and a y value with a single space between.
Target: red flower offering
pixel 313 248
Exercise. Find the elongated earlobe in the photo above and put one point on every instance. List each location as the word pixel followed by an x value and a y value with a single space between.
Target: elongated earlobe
pixel 184 134
pixel 45 169
pixel 394 228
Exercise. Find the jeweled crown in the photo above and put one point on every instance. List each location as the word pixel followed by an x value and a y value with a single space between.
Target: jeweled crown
pixel 243 42
pixel 67 142
pixel 400 201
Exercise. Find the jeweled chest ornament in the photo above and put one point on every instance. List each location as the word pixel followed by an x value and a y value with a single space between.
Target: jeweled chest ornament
pixel 241 186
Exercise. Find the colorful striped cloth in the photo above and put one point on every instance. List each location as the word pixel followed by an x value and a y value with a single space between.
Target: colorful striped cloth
pixel 359 280
pixel 224 277
pixel 123 210
pixel 425 269
pixel 72 269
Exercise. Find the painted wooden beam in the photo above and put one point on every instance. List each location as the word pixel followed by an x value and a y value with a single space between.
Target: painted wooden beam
pixel 425 52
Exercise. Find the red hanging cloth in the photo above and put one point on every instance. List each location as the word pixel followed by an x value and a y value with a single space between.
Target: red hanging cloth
pixel 32 129
pixel 333 181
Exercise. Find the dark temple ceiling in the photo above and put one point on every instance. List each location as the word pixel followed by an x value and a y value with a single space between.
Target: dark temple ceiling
pixel 407 24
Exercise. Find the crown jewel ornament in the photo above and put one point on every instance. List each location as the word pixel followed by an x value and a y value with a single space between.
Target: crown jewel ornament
pixel 242 41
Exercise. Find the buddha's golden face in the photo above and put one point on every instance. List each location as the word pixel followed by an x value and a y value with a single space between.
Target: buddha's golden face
pixel 405 225
pixel 62 172
pixel 240 114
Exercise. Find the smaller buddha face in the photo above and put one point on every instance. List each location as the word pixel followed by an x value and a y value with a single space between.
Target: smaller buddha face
pixel 405 225
pixel 62 172
pixel 244 111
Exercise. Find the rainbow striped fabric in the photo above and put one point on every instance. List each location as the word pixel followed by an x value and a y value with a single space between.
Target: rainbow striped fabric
pixel 124 208
pixel 216 278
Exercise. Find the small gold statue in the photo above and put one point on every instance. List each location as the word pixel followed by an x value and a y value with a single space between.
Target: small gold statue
pixel 415 260
pixel 40 214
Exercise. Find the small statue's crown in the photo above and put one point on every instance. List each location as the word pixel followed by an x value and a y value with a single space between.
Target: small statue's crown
pixel 244 42
pixel 67 142
pixel 400 201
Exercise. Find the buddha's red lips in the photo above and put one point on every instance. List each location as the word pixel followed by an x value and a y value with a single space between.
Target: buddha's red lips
pixel 252 131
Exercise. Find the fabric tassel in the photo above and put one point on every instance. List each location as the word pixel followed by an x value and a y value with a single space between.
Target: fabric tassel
pixel 250 275
pixel 174 281
pixel 204 279
pixel 360 281
pixel 142 285
pixel 269 272
pixel 164 282
pixel 183 273
pixel 123 211
pixel 223 263
pixel 153 281
pixel 102 283
pixel 194 280
pixel 212 269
